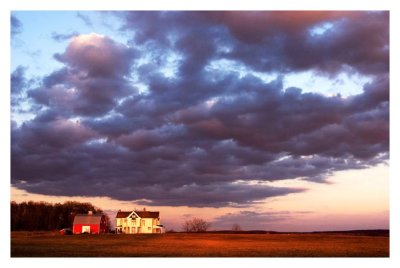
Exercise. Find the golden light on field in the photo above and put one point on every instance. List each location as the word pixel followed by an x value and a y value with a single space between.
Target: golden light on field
pixel 199 245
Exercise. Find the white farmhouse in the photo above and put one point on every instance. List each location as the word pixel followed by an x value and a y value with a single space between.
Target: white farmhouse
pixel 138 222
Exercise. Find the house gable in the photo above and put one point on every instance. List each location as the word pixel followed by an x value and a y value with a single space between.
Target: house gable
pixel 126 214
pixel 134 214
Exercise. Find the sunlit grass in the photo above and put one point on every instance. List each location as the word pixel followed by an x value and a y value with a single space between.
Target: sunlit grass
pixel 48 244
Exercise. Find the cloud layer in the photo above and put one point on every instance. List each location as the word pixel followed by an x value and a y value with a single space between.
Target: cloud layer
pixel 167 120
pixel 251 220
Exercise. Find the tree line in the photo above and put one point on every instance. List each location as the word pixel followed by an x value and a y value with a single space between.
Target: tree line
pixel 44 216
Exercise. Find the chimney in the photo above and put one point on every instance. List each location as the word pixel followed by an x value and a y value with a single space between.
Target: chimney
pixel 90 212
pixel 144 209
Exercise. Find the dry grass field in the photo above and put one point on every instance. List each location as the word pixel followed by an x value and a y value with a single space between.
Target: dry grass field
pixel 51 244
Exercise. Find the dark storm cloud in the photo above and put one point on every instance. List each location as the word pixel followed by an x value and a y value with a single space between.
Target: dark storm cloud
pixel 199 135
pixel 291 46
pixel 16 26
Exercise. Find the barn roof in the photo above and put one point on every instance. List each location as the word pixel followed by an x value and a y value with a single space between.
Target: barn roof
pixel 141 214
pixel 87 219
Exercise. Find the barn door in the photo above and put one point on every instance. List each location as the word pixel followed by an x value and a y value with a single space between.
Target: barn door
pixel 86 229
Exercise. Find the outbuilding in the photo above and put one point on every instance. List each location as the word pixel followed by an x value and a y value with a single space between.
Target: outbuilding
pixel 90 223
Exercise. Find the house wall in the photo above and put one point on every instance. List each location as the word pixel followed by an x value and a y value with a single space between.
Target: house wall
pixel 138 225
pixel 129 225
pixel 146 226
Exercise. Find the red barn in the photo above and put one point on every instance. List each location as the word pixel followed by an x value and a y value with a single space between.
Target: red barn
pixel 90 223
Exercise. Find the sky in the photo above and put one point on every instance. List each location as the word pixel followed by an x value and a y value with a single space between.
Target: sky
pixel 275 120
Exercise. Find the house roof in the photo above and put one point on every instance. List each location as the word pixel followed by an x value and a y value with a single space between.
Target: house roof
pixel 87 219
pixel 141 214
pixel 148 214
pixel 123 214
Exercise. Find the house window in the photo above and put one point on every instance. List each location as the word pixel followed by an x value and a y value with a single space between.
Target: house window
pixel 143 222
pixel 149 228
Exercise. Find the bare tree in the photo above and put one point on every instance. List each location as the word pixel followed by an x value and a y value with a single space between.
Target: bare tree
pixel 236 227
pixel 186 225
pixel 195 225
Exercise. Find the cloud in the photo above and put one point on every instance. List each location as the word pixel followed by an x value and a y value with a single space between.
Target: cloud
pixel 86 19
pixel 97 56
pixel 18 80
pixel 16 26
pixel 151 121
pixel 236 194
pixel 62 37
pixel 43 138
pixel 254 220
pixel 294 48
pixel 56 133
pixel 20 83
pixel 93 78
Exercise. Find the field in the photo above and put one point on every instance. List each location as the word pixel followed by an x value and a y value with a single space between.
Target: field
pixel 51 244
